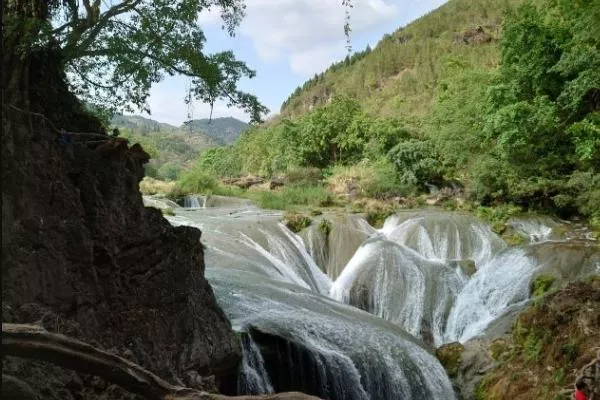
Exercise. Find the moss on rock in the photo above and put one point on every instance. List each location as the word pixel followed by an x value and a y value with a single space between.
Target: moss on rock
pixel 450 357
pixel 541 285
pixel 296 222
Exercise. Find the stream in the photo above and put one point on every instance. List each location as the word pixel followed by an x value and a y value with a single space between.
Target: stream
pixel 357 313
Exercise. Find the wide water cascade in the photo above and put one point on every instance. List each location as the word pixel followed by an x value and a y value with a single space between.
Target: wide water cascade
pixel 425 277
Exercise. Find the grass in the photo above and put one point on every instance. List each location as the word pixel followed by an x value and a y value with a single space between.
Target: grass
pixel 541 285
pixel 296 222
pixel 150 186
pixel 292 197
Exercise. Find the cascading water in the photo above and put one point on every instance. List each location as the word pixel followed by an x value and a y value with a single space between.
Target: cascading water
pixel 444 236
pixel 438 277
pixel 193 201
pixel 253 378
pixel 394 282
pixel 333 350
pixel 503 282
pixel 159 202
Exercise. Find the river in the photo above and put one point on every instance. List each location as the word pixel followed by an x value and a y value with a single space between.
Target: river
pixel 357 313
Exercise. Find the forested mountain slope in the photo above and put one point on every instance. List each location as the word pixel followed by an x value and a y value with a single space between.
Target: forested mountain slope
pixel 499 98
pixel 398 77
pixel 173 148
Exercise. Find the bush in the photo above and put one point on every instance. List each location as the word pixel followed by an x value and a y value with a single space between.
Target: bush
pixel 296 222
pixel 541 285
pixel 290 197
pixel 416 162
pixel 376 218
pixel 169 171
pixel 196 182
pixel 497 216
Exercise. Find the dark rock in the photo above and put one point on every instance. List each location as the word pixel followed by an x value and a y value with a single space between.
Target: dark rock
pixel 244 182
pixel 83 257
pixel 16 389
pixel 450 356
pixel 477 35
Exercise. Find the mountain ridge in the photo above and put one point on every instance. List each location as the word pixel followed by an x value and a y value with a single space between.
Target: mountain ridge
pixel 398 76
pixel 212 128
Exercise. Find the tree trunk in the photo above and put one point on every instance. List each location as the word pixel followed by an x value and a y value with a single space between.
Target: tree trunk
pixel 33 342
pixel 33 72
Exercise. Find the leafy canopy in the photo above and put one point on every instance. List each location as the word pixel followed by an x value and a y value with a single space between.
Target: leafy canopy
pixel 113 51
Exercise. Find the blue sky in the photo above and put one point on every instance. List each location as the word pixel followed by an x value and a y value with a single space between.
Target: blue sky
pixel 286 42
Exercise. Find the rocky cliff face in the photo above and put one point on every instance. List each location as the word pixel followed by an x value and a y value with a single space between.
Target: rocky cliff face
pixel 82 256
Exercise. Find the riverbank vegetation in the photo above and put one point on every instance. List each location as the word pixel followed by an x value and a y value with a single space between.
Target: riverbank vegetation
pixel 524 131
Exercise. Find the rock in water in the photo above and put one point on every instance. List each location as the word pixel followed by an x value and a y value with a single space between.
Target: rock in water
pixel 83 257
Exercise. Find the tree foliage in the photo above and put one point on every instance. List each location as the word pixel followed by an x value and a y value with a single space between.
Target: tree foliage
pixel 113 52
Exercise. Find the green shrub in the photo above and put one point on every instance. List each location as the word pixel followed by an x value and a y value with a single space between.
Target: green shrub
pixel 196 181
pixel 290 197
pixel 497 216
pixel 169 171
pixel 325 227
pixel 376 218
pixel 296 222
pixel 570 351
pixel 416 162
pixel 541 285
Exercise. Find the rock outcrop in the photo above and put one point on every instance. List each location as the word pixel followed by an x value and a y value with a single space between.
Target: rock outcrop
pixel 553 344
pixel 33 342
pixel 82 256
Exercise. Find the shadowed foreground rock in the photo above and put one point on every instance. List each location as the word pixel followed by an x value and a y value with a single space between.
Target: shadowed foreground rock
pixel 82 256
pixel 33 342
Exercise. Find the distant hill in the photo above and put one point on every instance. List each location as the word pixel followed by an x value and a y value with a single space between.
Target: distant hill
pixel 142 125
pixel 218 131
pixel 175 148
pixel 399 76
pixel 222 131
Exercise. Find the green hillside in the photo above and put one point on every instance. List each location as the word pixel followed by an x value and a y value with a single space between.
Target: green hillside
pixel 222 131
pixel 495 102
pixel 174 149
pixel 398 77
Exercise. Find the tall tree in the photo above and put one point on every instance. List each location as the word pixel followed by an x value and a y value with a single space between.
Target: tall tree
pixel 113 51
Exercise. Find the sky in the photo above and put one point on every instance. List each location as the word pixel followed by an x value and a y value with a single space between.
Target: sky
pixel 286 42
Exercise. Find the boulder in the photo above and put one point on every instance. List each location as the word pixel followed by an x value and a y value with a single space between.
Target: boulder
pixel 81 255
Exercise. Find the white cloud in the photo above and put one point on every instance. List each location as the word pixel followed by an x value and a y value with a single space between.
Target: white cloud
pixel 309 62
pixel 167 105
pixel 307 33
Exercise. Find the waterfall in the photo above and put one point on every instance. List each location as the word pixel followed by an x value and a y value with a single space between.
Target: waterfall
pixel 445 236
pixel 253 377
pixel 536 229
pixel 394 282
pixel 496 287
pixel 193 201
pixel 351 314
pixel 328 349
pixel 332 252
pixel 159 202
